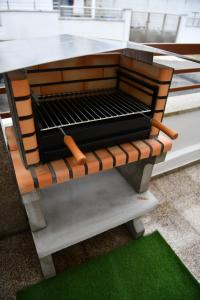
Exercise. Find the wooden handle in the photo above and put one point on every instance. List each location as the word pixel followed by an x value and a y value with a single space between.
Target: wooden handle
pixel 78 154
pixel 168 131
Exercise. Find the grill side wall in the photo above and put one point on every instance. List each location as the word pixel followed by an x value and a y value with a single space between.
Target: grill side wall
pixel 19 97
pixel 156 74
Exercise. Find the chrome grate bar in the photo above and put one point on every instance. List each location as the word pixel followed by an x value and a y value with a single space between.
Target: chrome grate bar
pixel 63 110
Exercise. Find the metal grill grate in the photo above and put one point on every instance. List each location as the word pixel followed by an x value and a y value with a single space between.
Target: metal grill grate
pixel 63 110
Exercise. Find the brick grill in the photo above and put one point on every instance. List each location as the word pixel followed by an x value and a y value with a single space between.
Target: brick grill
pixel 80 116
pixel 98 100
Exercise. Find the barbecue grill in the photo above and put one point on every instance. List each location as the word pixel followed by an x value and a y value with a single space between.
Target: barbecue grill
pixel 83 104
pixel 79 108
pixel 94 119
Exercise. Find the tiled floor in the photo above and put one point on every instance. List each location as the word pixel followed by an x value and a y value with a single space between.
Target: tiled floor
pixel 177 218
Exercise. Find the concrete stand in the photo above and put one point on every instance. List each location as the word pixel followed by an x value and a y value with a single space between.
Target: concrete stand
pixel 33 205
pixel 138 174
pixel 80 209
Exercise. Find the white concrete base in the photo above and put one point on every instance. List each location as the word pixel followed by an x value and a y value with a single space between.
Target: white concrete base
pixel 80 209
pixel 177 159
pixel 186 149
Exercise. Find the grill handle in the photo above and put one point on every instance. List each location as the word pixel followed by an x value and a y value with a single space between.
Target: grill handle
pixel 168 131
pixel 78 154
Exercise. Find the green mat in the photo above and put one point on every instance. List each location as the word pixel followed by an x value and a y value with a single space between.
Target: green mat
pixel 146 269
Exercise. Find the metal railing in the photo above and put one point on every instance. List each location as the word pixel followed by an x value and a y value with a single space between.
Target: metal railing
pixel 154 27
pixel 189 73
pixel 194 20
pixel 65 11
pixel 27 5
pixel 89 12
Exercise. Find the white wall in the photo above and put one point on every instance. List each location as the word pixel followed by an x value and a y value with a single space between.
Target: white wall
pixel 26 4
pixel 188 34
pixel 19 25
pixel 93 28
pixel 186 148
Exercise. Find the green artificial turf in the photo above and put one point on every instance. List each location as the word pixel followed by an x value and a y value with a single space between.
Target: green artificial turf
pixel 146 269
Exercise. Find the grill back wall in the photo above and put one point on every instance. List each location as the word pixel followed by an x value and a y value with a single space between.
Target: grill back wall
pixel 149 84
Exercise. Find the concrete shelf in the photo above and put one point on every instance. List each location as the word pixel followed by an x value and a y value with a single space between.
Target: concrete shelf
pixel 80 209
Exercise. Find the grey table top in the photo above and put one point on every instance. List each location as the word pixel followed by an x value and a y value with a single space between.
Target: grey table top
pixel 18 54
pixel 75 212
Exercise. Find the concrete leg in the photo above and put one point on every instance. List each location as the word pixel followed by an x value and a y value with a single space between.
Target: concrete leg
pixel 139 174
pixel 32 203
pixel 136 228
pixel 47 266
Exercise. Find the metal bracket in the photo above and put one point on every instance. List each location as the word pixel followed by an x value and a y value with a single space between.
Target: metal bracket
pixel 138 174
